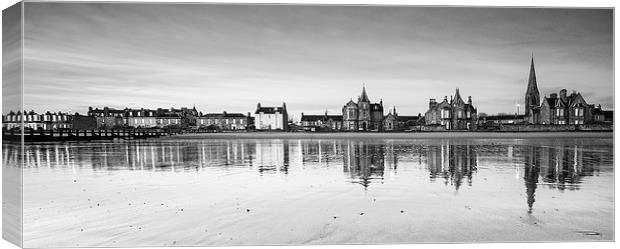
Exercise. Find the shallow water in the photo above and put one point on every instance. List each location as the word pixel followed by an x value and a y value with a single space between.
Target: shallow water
pixel 315 191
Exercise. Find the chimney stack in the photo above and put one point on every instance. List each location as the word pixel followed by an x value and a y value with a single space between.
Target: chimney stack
pixel 563 94
pixel 432 103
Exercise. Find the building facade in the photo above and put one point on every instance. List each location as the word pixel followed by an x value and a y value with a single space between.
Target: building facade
pixel 110 118
pixel 35 121
pixel 271 118
pixel 141 118
pixel 454 114
pixel 395 122
pixel 363 115
pixel 321 122
pixel 557 109
pixel 225 121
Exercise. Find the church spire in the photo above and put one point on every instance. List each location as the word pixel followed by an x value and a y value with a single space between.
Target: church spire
pixel 532 96
pixel 364 96
pixel 531 83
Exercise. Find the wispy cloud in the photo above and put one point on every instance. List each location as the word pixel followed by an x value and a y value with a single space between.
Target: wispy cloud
pixel 222 57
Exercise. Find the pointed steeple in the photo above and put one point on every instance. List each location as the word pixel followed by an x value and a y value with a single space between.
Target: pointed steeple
pixel 531 83
pixel 532 96
pixel 364 96
pixel 457 98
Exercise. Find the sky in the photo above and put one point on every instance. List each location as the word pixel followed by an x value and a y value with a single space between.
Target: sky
pixel 314 58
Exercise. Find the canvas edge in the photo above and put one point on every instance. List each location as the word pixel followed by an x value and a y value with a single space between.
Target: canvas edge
pixel 12 177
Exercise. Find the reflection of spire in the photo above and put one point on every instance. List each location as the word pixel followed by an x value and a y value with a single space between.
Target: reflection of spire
pixel 530 177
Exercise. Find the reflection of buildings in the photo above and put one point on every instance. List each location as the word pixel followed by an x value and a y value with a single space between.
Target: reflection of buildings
pixel 319 152
pixel 561 167
pixel 452 162
pixel 272 156
pixel 364 162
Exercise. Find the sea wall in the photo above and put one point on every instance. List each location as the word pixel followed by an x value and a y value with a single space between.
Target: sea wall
pixel 552 128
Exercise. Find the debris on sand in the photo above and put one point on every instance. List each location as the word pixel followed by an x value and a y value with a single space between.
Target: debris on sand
pixel 590 233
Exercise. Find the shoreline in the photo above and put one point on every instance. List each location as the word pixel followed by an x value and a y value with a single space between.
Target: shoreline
pixel 394 135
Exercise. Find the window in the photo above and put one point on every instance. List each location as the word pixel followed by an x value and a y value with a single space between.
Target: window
pixel 445 113
pixel 579 112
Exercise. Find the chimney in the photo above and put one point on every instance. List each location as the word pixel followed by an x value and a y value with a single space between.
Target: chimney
pixel 432 103
pixel 258 105
pixel 469 100
pixel 563 94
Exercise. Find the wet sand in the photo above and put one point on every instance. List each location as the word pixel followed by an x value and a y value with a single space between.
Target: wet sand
pixel 373 189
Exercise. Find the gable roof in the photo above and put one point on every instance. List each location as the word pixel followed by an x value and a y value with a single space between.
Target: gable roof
pixel 269 110
pixel 457 98
pixel 223 115
pixel 312 118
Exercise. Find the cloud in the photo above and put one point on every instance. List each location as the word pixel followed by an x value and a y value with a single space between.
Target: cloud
pixel 229 57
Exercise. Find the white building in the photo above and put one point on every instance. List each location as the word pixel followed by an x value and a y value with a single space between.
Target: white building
pixel 271 118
